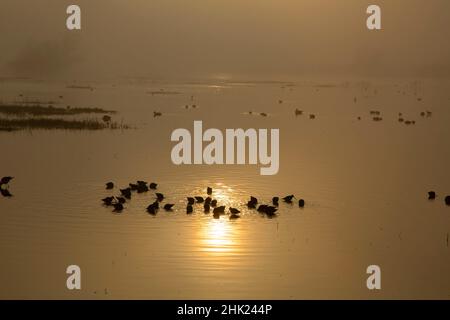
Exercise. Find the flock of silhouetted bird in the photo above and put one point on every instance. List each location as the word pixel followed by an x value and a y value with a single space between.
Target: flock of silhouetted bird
pixel 209 204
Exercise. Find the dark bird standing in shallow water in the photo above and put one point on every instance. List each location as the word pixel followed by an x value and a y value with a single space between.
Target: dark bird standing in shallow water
pixel 301 203
pixel 159 196
pixel 199 199
pixel 275 201
pixel 5 193
pixel 209 191
pixel 6 180
pixel 431 195
pixel 288 199
pixel 189 209
pixel 234 211
pixel 191 200
pixel 118 207
pixel 152 209
pixel 208 200
pixel 214 203
pixel 153 185
pixel 108 201
pixel 120 199
pixel 168 206
pixel 219 210
pixel 126 193
pixel 206 207
pixel 109 186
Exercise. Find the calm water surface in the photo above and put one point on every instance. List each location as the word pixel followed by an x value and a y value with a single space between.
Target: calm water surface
pixel 364 183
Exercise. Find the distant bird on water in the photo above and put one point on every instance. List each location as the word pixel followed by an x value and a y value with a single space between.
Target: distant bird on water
pixel 234 211
pixel 209 190
pixel 153 208
pixel 431 195
pixel 189 209
pixel 219 210
pixel 447 200
pixel 214 203
pixel 206 207
pixel 168 206
pixel 126 193
pixel 301 203
pixel 118 207
pixel 108 201
pixel 191 200
pixel 275 201
pixel 109 185
pixel 288 199
pixel 153 185
pixel 156 114
pixel 5 180
pixel 199 199
pixel 159 196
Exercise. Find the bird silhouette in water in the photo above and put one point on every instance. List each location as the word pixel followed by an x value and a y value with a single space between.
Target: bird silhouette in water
pixel 126 193
pixel 288 199
pixel 191 200
pixel 209 191
pixel 118 207
pixel 431 195
pixel 189 209
pixel 5 193
pixel 219 210
pixel 159 197
pixel 156 114
pixel 234 211
pixel 109 186
pixel 199 199
pixel 275 201
pixel 153 185
pixel 207 207
pixel 5 180
pixel 120 200
pixel 108 201
pixel 301 203
pixel 168 206
pixel 153 208
pixel 447 200
pixel 298 112
pixel 214 203
pixel 208 200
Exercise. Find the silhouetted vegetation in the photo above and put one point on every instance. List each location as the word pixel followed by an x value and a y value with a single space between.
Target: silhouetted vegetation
pixel 45 123
pixel 39 110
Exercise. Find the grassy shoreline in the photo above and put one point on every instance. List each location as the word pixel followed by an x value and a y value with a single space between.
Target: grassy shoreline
pixel 39 110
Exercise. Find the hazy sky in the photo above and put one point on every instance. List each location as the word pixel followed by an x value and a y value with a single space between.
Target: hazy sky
pixel 202 38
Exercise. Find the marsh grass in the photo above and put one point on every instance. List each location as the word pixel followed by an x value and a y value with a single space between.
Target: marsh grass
pixel 39 110
pixel 48 124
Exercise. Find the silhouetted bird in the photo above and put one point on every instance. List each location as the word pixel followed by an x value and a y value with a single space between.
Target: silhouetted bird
pixel 153 185
pixel 214 203
pixel 275 201
pixel 160 197
pixel 234 211
pixel 6 180
pixel 431 195
pixel 263 114
pixel 118 207
pixel 253 199
pixel 209 191
pixel 126 193
pixel 5 193
pixel 141 183
pixel 262 208
pixel 189 209
pixel 168 206
pixel 251 205
pixel 301 203
pixel 312 116
pixel 109 185
pixel 142 188
pixel 191 200
pixel 133 186
pixel 447 200
pixel 120 199
pixel 270 211
pixel 288 199
pixel 156 114
pixel 156 204
pixel 208 201
pixel 108 201
pixel 401 119
pixel 220 209
pixel 206 207
pixel 199 199
pixel 152 209
pixel 298 112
